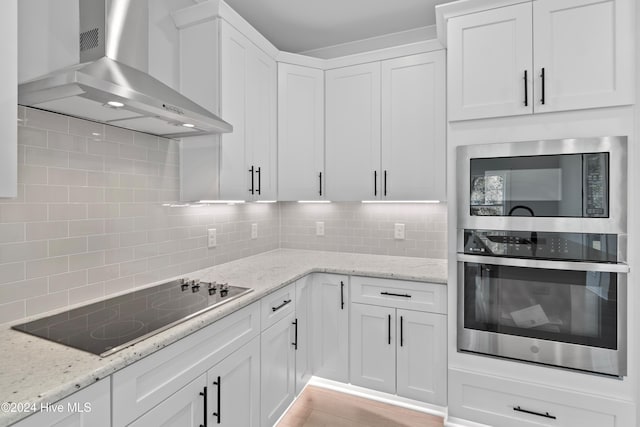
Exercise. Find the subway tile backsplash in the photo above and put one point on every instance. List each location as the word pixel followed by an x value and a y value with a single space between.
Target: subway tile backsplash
pixel 89 222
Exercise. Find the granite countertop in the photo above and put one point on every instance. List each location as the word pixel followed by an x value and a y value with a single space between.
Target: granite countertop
pixel 35 370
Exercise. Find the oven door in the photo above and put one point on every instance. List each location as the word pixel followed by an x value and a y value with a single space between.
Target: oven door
pixel 561 313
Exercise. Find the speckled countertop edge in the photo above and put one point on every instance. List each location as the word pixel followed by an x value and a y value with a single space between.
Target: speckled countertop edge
pixel 35 370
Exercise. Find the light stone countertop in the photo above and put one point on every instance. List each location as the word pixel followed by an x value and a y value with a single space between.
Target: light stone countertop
pixel 36 370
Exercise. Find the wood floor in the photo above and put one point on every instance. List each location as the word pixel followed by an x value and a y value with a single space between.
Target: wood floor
pixel 319 407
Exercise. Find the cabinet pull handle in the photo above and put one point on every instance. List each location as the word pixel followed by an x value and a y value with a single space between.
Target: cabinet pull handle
pixel 320 179
pixel 206 413
pixel 401 331
pixel 385 183
pixel 395 295
pixel 526 90
pixel 375 183
pixel 251 190
pixel 389 328
pixel 543 84
pixel 540 414
pixel 341 295
pixel 259 181
pixel 217 413
pixel 295 343
pixel 285 302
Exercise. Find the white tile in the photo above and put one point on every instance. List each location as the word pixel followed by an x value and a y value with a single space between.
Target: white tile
pixel 12 272
pixel 133 239
pixel 47 302
pixel 85 128
pixel 86 260
pixel 22 212
pixel 67 177
pixel 133 181
pixel 144 140
pixel 106 241
pixel 133 209
pixel 47 230
pixel 115 164
pixel 67 211
pixel 11 233
pixel 133 152
pixel 115 256
pixel 86 194
pixel 46 120
pixel 46 157
pixel 86 162
pixel 133 267
pixel 12 311
pixel 102 274
pixel 104 179
pixel 86 227
pixel 119 285
pixel 46 194
pixel 119 225
pixel 31 136
pixel 13 252
pixel 118 195
pixel 62 282
pixel 116 134
pixel 103 148
pixel 86 293
pixel 103 210
pixel 47 267
pixel 23 290
pixel 69 246
pixel 65 142
pixel 28 174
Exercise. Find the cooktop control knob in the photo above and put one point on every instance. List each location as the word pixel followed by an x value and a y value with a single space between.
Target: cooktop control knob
pixel 224 289
pixel 184 284
pixel 195 285
pixel 212 288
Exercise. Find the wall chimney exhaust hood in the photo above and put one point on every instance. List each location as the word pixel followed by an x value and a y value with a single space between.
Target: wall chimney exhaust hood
pixel 111 84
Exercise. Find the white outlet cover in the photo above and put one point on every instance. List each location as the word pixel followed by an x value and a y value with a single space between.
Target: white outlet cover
pixel 398 231
pixel 212 240
pixel 254 231
pixel 319 228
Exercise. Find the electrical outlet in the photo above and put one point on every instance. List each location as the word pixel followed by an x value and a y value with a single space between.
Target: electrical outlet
pixel 254 231
pixel 212 240
pixel 398 232
pixel 320 228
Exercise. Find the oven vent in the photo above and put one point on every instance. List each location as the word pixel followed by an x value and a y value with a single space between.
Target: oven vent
pixel 89 39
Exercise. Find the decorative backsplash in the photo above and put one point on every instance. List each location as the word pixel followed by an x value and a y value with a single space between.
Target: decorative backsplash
pixel 88 220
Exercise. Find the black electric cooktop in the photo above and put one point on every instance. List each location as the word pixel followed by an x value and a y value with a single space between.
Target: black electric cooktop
pixel 108 326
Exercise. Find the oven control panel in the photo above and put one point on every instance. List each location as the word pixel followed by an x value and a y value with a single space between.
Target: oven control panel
pixel 542 245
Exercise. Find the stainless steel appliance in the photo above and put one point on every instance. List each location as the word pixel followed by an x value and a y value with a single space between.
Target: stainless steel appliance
pixel 541 253
pixel 108 326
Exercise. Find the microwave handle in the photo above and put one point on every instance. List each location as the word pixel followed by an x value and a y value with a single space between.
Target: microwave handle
pixel 546 264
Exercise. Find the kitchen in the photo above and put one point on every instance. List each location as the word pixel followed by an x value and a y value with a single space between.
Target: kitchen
pixel 99 210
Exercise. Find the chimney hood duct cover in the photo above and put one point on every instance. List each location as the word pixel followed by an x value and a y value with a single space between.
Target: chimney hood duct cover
pixel 103 88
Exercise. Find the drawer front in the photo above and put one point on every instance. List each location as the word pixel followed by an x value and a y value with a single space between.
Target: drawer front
pixel 278 305
pixel 505 403
pixel 420 296
pixel 141 386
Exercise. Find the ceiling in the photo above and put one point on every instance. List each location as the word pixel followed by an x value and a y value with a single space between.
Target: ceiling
pixel 302 25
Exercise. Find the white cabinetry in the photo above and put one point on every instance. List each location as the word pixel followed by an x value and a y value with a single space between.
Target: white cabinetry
pixel 89 407
pixel 9 99
pixel 300 132
pixel 541 56
pixel 395 349
pixel 331 326
pixel 303 334
pixel 248 101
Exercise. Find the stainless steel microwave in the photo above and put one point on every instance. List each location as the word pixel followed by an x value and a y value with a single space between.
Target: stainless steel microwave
pixel 575 185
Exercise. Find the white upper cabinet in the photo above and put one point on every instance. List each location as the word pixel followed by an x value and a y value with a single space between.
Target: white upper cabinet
pixel 9 99
pixel 248 101
pixel 353 132
pixel 300 133
pixel 413 127
pixel 541 56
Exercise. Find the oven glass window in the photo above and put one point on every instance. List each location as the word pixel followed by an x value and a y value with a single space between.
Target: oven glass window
pixel 576 307
pixel 564 185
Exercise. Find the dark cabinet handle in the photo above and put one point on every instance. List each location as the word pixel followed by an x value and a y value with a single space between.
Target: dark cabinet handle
pixel 285 302
pixel 259 172
pixel 385 183
pixel 540 414
pixel 217 413
pixel 389 327
pixel 206 413
pixel 320 179
pixel 395 295
pixel 295 336
pixel 341 295
pixel 542 76
pixel 375 183
pixel 401 331
pixel 251 190
pixel 526 89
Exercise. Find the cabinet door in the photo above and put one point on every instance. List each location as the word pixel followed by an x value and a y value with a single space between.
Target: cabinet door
pixel 277 357
pixel 331 326
pixel 585 49
pixel 422 356
pixel 89 407
pixel 261 125
pixel 353 133
pixel 9 99
pixel 489 54
pixel 303 332
pixel 413 127
pixel 184 408
pixel 373 347
pixel 300 132
pixel 235 50
pixel 234 388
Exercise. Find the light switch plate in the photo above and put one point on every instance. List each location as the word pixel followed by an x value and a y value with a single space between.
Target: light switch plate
pixel 254 231
pixel 319 228
pixel 398 231
pixel 212 240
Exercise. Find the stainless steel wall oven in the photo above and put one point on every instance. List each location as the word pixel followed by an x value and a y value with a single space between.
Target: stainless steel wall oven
pixel 542 251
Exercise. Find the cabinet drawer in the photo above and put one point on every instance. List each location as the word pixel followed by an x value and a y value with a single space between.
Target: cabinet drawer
pixel 278 305
pixel 420 296
pixel 141 386
pixel 506 403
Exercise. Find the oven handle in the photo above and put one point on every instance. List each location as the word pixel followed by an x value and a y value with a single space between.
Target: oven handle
pixel 550 265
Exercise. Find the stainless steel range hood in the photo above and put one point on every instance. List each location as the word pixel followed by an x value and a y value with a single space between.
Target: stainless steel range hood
pixel 111 84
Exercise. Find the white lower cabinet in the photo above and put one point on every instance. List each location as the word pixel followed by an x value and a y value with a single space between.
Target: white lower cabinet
pixel 278 363
pixel 303 344
pixel 89 407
